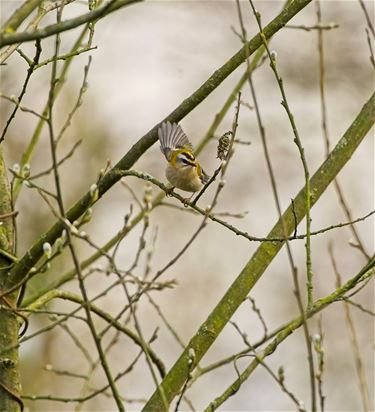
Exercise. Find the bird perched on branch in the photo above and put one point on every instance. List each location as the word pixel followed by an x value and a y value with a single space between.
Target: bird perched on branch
pixel 183 170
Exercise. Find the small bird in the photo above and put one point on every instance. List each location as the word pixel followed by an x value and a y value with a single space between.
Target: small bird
pixel 183 171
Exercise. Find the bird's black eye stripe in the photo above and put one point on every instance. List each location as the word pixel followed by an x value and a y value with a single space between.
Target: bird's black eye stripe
pixel 185 161
pixel 186 158
pixel 188 155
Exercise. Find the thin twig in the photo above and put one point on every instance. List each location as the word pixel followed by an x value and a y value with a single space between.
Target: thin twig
pixel 25 109
pixel 324 117
pixel 166 322
pixel 257 311
pixel 369 42
pixel 359 362
pixel 30 71
pixel 280 380
pixel 367 17
pixel 90 322
pixel 360 307
pixel 60 294
pixel 319 27
pixel 78 103
pixel 366 272
pixel 318 346
pixel 67 56
pixel 277 201
pixel 59 163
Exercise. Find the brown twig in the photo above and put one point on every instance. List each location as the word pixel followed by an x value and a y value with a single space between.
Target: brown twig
pixel 292 264
pixel 324 118
pixel 30 71
pixel 359 363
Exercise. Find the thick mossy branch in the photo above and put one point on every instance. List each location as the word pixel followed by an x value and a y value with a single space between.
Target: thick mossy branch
pixel 319 305
pixel 14 38
pixel 33 255
pixel 16 19
pixel 9 370
pixel 263 256
pixel 6 218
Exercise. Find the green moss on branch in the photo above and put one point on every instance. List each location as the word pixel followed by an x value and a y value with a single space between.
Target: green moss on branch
pixel 263 256
pixel 35 252
pixel 9 362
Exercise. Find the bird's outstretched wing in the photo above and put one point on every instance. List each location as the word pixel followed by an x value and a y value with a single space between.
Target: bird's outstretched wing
pixel 172 137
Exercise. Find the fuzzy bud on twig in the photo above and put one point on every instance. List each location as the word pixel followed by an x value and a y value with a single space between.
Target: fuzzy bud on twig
pixel 87 216
pixel 26 170
pixel 147 198
pixel 191 356
pixel 47 249
pixel 71 227
pixel 94 192
pixel 15 168
pixel 59 244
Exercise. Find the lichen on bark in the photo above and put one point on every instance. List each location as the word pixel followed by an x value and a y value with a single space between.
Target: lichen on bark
pixel 9 326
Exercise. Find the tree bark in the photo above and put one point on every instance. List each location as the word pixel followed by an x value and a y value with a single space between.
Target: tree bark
pixel 9 362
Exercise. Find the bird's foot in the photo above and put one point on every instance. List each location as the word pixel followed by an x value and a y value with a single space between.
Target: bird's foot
pixel 186 200
pixel 169 191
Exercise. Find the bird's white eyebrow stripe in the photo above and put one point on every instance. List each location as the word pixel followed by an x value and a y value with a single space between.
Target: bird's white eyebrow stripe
pixel 186 158
pixel 188 155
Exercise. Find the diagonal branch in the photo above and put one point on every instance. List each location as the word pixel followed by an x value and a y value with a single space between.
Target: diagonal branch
pixel 16 19
pixel 365 273
pixel 32 256
pixel 12 38
pixel 263 256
